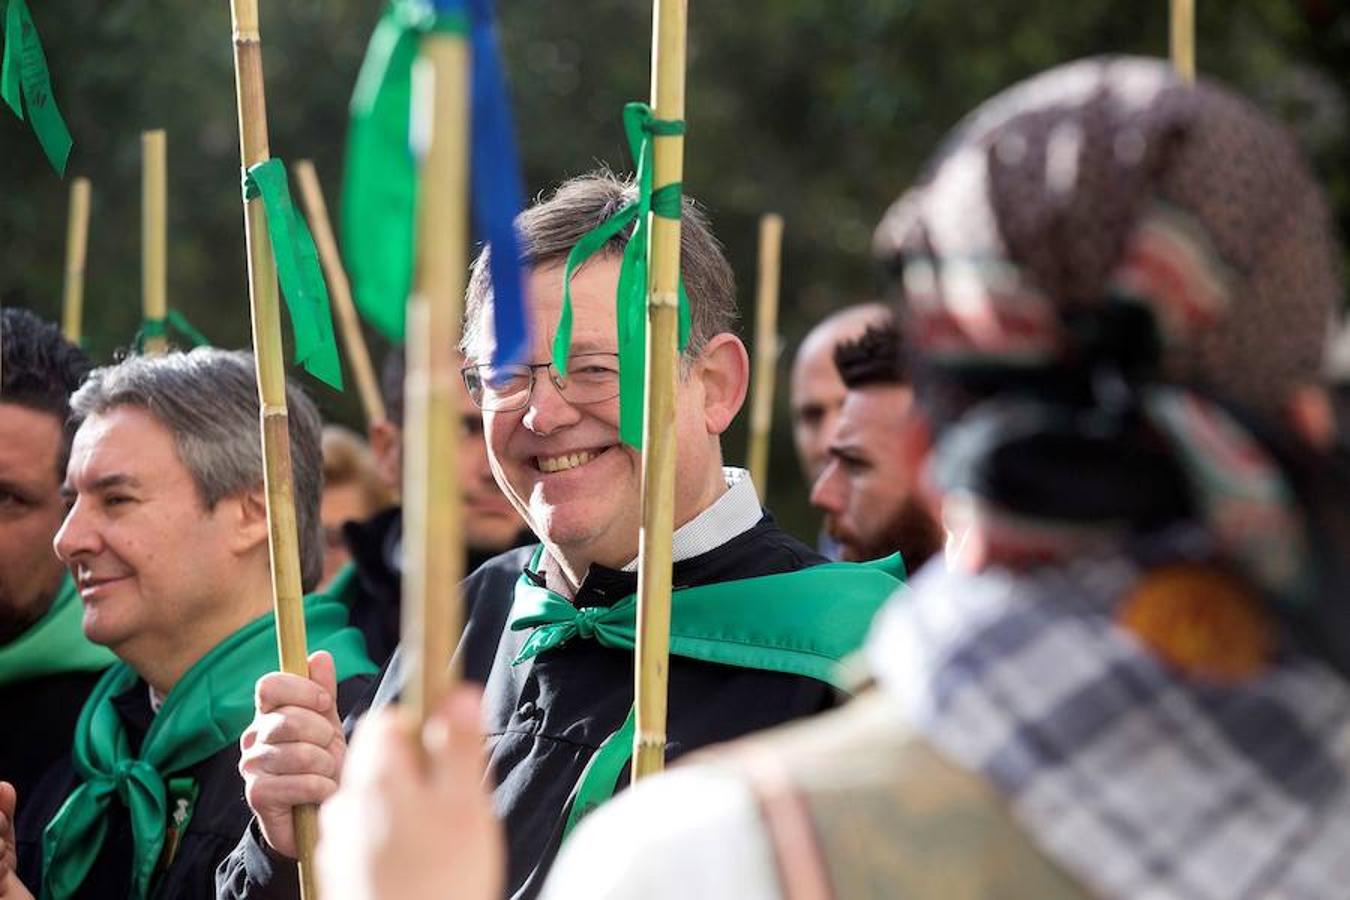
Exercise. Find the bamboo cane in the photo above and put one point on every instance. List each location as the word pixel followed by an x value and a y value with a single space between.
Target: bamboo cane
pixel 358 355
pixel 267 351
pixel 1183 38
pixel 433 543
pixel 77 248
pixel 766 348
pixel 154 238
pixel 658 439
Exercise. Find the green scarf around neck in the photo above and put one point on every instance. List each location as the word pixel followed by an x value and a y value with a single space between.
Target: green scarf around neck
pixel 206 711
pixel 799 623
pixel 55 644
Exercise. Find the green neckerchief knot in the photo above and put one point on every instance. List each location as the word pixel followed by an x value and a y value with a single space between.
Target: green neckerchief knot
pixel 25 81
pixel 302 283
pixel 799 623
pixel 640 126
pixel 55 644
pixel 153 328
pixel 205 712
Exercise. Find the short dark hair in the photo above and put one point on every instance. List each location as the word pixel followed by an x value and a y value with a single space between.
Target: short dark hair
pixel 551 228
pixel 39 370
pixel 874 357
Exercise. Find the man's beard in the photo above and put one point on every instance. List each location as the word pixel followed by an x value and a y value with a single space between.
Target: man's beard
pixel 913 532
pixel 15 619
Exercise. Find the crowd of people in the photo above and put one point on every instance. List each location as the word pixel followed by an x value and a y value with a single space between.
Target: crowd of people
pixel 1077 623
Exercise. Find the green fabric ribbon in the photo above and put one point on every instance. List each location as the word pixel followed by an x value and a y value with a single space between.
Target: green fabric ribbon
pixel 773 622
pixel 205 712
pixel 55 644
pixel 640 127
pixel 776 623
pixel 298 270
pixel 152 328
pixel 25 81
pixel 379 190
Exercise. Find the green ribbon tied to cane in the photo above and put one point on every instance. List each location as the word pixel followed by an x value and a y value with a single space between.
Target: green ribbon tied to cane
pixel 641 127
pixel 25 81
pixel 153 328
pixel 302 283
pixel 379 192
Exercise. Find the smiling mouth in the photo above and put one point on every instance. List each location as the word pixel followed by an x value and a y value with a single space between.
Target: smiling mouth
pixel 552 464
pixel 89 584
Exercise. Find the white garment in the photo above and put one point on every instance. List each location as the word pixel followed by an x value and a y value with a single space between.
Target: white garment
pixel 690 833
pixel 730 515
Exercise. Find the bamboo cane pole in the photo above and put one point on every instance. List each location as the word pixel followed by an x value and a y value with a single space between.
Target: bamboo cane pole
pixel 77 248
pixel 267 352
pixel 433 543
pixel 154 237
pixel 340 288
pixel 658 440
pixel 1183 38
pixel 766 348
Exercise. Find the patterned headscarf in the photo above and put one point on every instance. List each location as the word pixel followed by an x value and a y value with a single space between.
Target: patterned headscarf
pixel 1115 274
pixel 1107 180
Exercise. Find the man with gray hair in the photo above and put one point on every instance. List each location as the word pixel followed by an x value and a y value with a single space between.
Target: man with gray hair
pixel 167 539
pixel 756 626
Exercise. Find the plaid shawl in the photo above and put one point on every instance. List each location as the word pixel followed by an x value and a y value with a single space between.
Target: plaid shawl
pixel 1137 782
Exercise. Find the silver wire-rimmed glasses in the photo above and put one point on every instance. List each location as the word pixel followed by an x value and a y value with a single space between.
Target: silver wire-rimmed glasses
pixel 590 378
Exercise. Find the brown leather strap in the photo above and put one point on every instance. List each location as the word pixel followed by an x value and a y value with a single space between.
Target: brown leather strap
pixel 802 874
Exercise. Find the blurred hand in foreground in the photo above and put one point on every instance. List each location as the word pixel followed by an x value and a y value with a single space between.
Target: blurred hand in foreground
pixel 405 827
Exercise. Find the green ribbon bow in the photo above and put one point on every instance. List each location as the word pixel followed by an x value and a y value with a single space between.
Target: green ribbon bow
pixel 640 126
pixel 302 282
pixel 379 190
pixel 25 81
pixel 55 644
pixel 776 623
pixel 152 328
pixel 205 712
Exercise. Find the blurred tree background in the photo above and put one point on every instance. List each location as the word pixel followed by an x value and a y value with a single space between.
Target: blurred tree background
pixel 818 109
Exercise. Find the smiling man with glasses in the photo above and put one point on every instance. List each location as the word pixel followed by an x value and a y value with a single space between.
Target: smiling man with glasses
pixel 756 628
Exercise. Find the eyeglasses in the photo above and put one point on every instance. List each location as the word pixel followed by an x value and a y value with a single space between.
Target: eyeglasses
pixel 590 378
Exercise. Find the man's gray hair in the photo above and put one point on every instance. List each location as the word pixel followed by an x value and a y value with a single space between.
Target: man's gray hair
pixel 208 400
pixel 551 228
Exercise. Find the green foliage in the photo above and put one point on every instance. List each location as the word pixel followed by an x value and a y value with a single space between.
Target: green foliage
pixel 820 110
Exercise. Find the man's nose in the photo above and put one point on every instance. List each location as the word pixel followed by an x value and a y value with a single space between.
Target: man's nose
pixel 75 538
pixel 548 409
pixel 827 493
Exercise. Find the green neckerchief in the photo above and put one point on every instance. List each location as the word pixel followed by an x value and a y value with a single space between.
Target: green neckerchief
pixel 205 712
pixel 54 644
pixel 800 623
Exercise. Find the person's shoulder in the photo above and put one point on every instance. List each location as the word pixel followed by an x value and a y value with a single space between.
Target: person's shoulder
pixel 692 832
pixel 505 566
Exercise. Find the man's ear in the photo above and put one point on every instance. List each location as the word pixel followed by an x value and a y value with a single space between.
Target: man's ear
pixel 250 526
pixel 724 369
pixel 386 445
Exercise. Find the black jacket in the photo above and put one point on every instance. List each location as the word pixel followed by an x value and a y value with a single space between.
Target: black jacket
pixel 41 713
pixel 546 717
pixel 218 815
pixel 375 590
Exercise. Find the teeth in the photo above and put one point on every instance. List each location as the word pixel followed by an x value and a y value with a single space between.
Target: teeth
pixel 563 463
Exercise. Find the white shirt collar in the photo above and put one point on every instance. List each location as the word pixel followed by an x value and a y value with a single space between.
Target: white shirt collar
pixel 730 515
